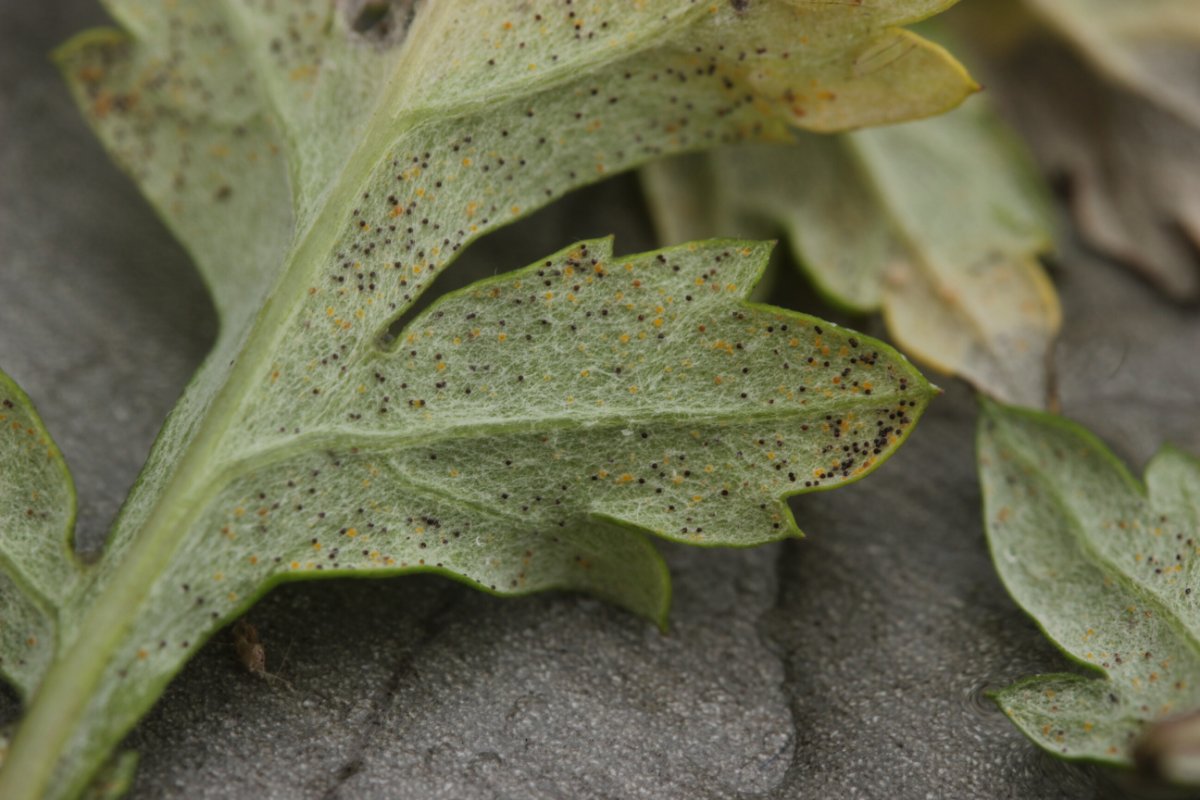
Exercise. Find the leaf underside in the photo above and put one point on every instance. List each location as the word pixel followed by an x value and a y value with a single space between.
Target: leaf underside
pixel 522 434
pixel 1108 569
pixel 938 224
pixel 660 400
pixel 38 568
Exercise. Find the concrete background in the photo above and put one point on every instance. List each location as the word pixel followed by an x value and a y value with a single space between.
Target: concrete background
pixel 850 665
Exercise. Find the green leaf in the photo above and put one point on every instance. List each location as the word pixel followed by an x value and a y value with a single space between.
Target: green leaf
pixel 38 567
pixel 534 424
pixel 936 223
pixel 1106 92
pixel 520 435
pixel 1107 569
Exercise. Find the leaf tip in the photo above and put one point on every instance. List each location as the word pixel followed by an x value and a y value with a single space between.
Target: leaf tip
pixel 64 54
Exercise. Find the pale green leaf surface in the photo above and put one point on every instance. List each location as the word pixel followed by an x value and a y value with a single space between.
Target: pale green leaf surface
pixel 321 178
pixel 38 568
pixel 452 175
pixel 937 223
pixel 1106 567
pixel 544 416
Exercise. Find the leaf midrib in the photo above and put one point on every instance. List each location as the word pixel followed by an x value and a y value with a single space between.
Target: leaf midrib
pixel 391 441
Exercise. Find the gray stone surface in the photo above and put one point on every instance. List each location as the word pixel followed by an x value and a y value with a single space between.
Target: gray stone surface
pixel 851 664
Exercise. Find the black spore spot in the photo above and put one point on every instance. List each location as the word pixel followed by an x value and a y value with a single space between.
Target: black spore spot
pixel 382 20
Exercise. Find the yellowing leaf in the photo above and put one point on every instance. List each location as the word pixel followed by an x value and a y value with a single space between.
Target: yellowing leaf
pixel 937 223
